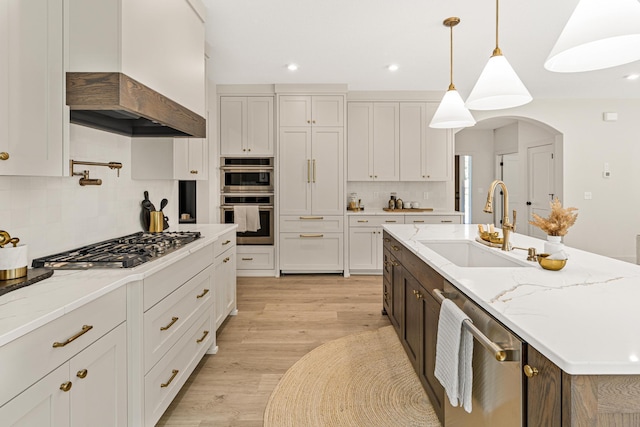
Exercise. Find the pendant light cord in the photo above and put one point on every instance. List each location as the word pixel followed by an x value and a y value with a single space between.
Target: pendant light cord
pixel 451 86
pixel 497 51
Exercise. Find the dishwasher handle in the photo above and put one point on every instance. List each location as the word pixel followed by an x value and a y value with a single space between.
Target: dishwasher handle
pixel 499 353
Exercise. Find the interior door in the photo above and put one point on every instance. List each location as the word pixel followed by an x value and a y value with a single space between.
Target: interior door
pixel 541 177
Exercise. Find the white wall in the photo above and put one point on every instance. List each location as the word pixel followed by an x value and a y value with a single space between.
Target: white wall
pixel 609 222
pixel 55 214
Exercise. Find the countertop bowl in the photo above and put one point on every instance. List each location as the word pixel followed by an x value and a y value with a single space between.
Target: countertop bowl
pixel 551 264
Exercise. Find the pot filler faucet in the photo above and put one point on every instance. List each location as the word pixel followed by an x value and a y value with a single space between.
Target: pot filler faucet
pixel 507 227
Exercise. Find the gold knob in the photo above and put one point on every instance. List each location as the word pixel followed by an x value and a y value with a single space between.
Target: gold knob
pixel 244 149
pixel 4 156
pixel 249 149
pixel 66 386
pixel 308 121
pixel 530 371
pixel 194 172
pixel 82 373
pixel 314 121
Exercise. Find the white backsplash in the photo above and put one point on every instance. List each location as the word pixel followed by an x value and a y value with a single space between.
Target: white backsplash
pixel 53 214
pixel 376 195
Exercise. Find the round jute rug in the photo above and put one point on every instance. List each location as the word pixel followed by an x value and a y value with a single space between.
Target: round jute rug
pixel 363 379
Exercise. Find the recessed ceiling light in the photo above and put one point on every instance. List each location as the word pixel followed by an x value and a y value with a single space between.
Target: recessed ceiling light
pixel 632 77
pixel 292 67
pixel 393 67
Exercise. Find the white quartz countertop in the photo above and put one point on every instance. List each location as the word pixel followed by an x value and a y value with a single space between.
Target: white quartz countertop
pixel 25 309
pixel 379 211
pixel 585 318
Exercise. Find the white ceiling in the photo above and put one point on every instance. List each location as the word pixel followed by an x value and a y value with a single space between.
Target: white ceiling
pixel 353 41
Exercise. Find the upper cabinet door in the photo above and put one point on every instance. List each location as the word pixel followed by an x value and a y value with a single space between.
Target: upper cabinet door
pixel 233 125
pixel 360 141
pixel 413 138
pixel 260 125
pixel 327 110
pixel 295 110
pixel 438 153
pixel 386 135
pixel 32 113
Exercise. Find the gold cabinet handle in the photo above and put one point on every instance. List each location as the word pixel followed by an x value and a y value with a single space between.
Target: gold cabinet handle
pixel 530 371
pixel 226 242
pixel 173 320
pixel 395 248
pixel 247 259
pixel 226 259
pixel 194 172
pixel 248 149
pixel 314 169
pixel 204 335
pixel 395 264
pixel 386 239
pixel 308 171
pixel 173 375
pixel 66 386
pixel 308 121
pixel 206 291
pixel 418 220
pixel 313 121
pixel 82 373
pixel 391 220
pixel 311 217
pixel 4 156
pixel 363 220
pixel 446 220
pixel 85 329
pixel 312 235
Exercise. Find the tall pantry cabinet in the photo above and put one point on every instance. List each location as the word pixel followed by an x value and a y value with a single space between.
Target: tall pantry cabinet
pixel 311 182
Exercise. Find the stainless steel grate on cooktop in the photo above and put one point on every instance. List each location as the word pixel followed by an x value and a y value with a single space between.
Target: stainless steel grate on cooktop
pixel 122 252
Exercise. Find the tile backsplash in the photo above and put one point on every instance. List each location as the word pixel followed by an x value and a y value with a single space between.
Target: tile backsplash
pixel 375 195
pixel 53 214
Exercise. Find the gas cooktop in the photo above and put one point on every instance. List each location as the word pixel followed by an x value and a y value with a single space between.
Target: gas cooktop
pixel 121 252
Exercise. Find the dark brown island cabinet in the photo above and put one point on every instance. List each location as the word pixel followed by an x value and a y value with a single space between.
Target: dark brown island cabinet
pixel 551 398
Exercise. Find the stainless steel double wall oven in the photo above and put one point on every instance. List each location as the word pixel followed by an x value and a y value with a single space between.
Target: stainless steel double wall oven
pixel 248 181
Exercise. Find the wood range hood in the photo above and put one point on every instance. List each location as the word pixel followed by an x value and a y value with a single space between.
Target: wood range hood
pixel 116 103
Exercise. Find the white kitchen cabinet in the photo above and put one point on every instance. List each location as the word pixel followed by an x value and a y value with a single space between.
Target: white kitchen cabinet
pixel 169 158
pixel 159 44
pixel 254 257
pixel 311 252
pixel 225 273
pixel 365 241
pixel 33 119
pixel 80 380
pixel 246 126
pixel 307 110
pixel 373 133
pixel 426 154
pixel 433 219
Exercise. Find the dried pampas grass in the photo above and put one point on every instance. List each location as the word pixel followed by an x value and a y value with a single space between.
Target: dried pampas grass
pixel 558 222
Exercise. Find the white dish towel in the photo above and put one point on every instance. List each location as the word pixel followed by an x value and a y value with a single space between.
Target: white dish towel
pixel 247 218
pixel 454 355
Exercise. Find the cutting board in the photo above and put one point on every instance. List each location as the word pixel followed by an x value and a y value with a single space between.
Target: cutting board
pixel 408 210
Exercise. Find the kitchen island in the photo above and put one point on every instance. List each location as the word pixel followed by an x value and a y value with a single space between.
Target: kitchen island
pixel 114 346
pixel 580 321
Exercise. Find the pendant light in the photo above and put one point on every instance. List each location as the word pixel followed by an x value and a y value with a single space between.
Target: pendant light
pixel 498 86
pixel 599 34
pixel 451 112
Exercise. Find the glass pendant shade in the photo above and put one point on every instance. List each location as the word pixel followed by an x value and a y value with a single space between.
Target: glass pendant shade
pixel 599 34
pixel 452 113
pixel 498 87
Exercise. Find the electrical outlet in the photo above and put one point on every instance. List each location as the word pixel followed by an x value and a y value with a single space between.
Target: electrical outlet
pixel 425 195
pixel 588 195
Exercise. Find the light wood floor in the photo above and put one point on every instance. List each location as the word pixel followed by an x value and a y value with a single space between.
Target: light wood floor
pixel 279 321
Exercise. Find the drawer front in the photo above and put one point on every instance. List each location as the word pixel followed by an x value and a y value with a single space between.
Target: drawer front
pixel 255 259
pixel 318 223
pixel 226 241
pixel 432 219
pixel 311 251
pixel 394 248
pixel 168 320
pixel 160 384
pixel 374 220
pixel 167 280
pixel 32 356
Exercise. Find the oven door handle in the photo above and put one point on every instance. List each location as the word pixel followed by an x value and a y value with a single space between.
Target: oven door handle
pixel 260 208
pixel 246 169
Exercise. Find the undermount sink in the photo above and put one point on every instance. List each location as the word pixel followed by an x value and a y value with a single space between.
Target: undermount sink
pixel 467 254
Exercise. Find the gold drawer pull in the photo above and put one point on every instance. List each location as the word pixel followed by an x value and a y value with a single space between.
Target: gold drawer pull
pixel 395 264
pixel 311 217
pixel 446 220
pixel 395 248
pixel 530 371
pixel 82 373
pixel 226 259
pixel 312 235
pixel 247 259
pixel 194 172
pixel 363 220
pixel 4 156
pixel 418 220
pixel 173 375
pixel 85 329
pixel 66 386
pixel 206 291
pixel 391 220
pixel 386 239
pixel 204 335
pixel 173 320
pixel 226 242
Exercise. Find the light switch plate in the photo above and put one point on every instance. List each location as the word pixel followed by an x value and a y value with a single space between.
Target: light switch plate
pixel 587 195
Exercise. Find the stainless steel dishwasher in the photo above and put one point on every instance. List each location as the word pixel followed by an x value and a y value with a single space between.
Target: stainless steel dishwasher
pixel 497 392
